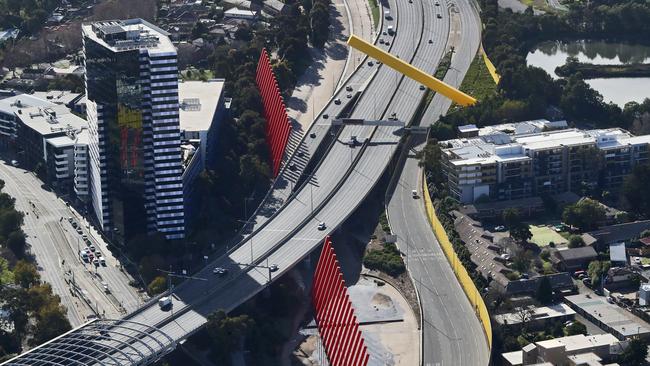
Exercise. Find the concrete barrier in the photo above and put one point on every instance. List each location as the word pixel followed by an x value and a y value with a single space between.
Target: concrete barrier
pixel 463 277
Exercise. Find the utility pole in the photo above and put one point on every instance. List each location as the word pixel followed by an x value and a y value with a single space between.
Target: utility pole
pixel 171 274
pixel 270 268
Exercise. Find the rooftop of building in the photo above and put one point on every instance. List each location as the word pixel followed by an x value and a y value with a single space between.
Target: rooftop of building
pixel 616 233
pixel 13 104
pixel 198 103
pixel 511 142
pixel 580 253
pixel 538 313
pixel 58 96
pixel 612 316
pixel 123 35
pixel 52 119
pixel 579 342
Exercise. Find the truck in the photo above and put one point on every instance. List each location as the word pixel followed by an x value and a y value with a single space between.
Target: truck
pixel 165 302
pixel 391 30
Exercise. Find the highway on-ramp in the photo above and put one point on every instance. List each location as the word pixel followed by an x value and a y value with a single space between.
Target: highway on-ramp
pixel 452 334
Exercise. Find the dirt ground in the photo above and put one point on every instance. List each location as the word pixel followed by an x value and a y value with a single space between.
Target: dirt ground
pixel 402 282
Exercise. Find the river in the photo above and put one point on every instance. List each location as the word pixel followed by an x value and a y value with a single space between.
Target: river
pixel 549 55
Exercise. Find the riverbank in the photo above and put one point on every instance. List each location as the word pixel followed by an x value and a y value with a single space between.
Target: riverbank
pixel 594 71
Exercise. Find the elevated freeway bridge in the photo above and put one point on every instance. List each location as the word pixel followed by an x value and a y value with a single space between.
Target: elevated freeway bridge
pixel 284 229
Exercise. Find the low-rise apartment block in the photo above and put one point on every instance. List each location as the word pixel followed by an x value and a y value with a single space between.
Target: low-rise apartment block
pixel 507 162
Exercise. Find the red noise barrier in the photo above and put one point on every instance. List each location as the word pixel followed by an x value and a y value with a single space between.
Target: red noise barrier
pixel 337 324
pixel 275 112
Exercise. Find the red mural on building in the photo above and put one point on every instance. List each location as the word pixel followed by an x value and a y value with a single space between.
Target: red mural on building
pixel 337 324
pixel 275 112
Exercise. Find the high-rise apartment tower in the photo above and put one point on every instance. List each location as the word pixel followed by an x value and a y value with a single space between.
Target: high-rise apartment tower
pixel 135 165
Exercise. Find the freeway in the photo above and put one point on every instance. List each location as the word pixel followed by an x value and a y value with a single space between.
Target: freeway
pixel 452 333
pixel 287 232
pixel 55 244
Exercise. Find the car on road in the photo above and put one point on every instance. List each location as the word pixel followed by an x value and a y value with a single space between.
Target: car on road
pixel 312 135
pixel 381 41
pixel 414 194
pixel 437 3
pixel 577 274
pixel 393 116
pixel 84 255
pixel 337 101
pixel 422 87
pixel 349 95
pixel 96 262
pixel 348 88
pixel 220 271
pixel 439 16
pixel 430 41
pixel 70 219
pixel 102 260
pixel 273 267
pixel 74 224
pixel 79 230
pixel 84 237
pixel 14 162
pixel 499 228
pixel 353 140
pixel 92 248
pixel 326 116
pixel 105 287
pixel 587 281
pixel 370 63
pixel 321 226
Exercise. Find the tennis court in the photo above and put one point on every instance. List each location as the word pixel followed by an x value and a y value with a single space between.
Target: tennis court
pixel 542 235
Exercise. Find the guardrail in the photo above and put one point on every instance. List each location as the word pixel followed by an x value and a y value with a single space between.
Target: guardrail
pixel 463 277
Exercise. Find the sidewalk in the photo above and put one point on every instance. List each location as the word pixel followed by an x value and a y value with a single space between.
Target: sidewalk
pixel 317 85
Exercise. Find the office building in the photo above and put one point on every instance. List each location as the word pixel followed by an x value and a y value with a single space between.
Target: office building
pixel 576 350
pixel 202 108
pixel 513 162
pixel 135 163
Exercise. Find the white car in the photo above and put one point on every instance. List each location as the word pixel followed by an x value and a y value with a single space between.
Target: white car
pixel 414 194
pixel 321 226
pixel 102 261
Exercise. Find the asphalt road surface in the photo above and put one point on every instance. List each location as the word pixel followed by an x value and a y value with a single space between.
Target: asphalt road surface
pixel 55 244
pixel 452 333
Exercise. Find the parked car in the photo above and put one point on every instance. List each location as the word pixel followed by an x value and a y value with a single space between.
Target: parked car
pixel 499 228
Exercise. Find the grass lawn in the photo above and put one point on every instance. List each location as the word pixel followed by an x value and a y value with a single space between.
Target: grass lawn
pixel 193 74
pixel 542 235
pixel 374 10
pixel 477 82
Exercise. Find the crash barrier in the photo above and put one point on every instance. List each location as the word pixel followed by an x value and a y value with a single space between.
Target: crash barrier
pixel 463 277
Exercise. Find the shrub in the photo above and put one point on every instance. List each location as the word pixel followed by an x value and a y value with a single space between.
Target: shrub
pixel 387 260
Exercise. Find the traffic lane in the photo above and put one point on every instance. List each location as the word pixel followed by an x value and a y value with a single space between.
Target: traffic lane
pixel 48 265
pixel 460 328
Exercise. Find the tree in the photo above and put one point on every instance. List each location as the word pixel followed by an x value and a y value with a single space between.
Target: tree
pixel 51 321
pixel 320 23
pixel 585 215
pixel 157 286
pixel 575 328
pixel 510 217
pixel 226 333
pixel 25 274
pixel 596 270
pixel 575 241
pixel 635 353
pixel 521 233
pixel 545 291
pixel 16 243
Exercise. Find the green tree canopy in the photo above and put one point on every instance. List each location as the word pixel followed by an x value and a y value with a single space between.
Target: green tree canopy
pixel 585 215
pixel 575 328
